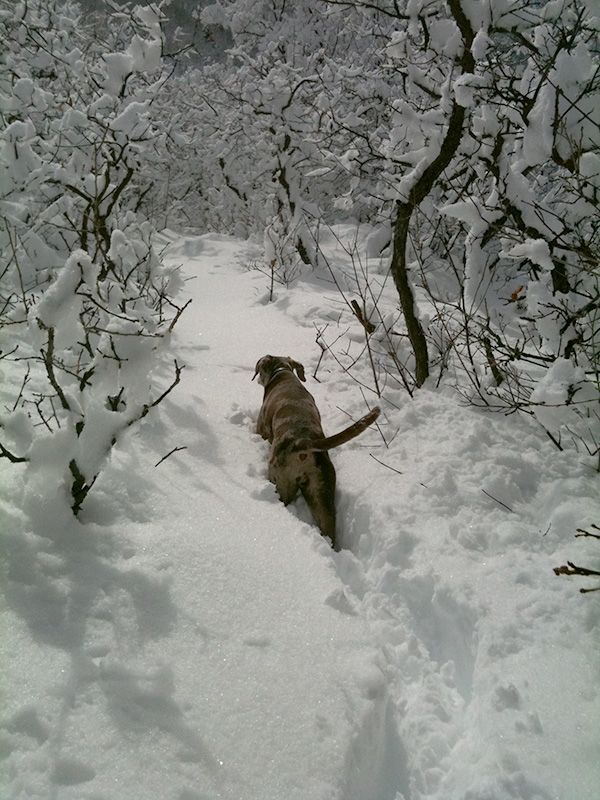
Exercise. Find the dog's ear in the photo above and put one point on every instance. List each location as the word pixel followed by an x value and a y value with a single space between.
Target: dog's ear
pixel 299 369
pixel 260 365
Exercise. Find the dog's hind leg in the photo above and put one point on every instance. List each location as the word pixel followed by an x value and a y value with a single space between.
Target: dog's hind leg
pixel 323 510
pixel 319 493
pixel 287 488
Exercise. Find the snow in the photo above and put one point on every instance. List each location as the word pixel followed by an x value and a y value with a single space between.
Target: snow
pixel 536 250
pixel 61 293
pixel 131 121
pixel 466 87
pixel 190 638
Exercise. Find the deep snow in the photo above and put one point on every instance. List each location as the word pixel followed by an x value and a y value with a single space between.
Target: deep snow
pixel 192 639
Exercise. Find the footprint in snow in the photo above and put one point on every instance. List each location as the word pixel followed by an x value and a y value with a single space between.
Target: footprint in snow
pixel 339 600
pixel 70 772
pixel 257 640
pixel 241 417
pixel 27 722
pixel 267 492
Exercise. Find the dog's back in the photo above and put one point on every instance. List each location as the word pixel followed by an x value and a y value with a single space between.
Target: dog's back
pixel 288 409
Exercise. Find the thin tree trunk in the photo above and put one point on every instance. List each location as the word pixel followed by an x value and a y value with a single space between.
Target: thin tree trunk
pixel 414 328
pixel 422 187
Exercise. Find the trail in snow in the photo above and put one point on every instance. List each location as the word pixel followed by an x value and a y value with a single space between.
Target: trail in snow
pixel 193 639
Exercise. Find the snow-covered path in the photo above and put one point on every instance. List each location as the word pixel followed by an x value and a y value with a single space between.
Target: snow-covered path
pixel 195 640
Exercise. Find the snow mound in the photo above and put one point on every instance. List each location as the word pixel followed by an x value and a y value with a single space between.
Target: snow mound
pixel 190 638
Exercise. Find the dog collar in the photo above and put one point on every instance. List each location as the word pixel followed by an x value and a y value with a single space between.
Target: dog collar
pixel 276 373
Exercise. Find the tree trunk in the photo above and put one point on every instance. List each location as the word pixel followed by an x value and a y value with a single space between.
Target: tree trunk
pixel 414 328
pixel 420 190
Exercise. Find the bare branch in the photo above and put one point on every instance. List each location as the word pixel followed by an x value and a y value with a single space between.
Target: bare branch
pixel 170 453
pixel 5 453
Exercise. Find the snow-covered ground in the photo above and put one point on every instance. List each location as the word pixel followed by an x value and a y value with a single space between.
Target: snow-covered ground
pixel 192 639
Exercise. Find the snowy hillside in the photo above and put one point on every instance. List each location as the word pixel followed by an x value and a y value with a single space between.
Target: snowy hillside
pixel 190 638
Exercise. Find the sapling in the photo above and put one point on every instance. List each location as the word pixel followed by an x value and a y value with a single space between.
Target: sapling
pixel 87 305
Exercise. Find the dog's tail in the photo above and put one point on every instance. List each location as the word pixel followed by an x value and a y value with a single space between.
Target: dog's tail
pixel 329 442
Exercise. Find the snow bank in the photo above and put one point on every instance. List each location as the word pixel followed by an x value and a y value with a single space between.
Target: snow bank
pixel 190 638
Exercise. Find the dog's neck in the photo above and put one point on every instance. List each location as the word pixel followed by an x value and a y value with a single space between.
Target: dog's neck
pixel 277 372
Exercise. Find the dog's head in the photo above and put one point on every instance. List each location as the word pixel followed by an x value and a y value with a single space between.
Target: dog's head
pixel 267 366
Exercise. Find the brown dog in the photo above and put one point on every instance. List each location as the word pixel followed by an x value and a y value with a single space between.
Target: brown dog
pixel 290 420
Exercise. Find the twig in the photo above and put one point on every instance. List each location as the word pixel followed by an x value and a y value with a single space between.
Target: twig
pixel 148 406
pixel 386 465
pixel 170 453
pixel 23 384
pixel 4 453
pixel 581 533
pixel 491 496
pixel 178 314
pixel 491 359
pixel 360 316
pixel 48 359
pixel 572 569
pixel 323 348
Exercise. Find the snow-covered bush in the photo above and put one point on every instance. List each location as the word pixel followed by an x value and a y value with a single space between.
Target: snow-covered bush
pixel 469 134
pixel 529 209
pixel 86 305
pixel 264 111
pixel 271 162
pixel 466 135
